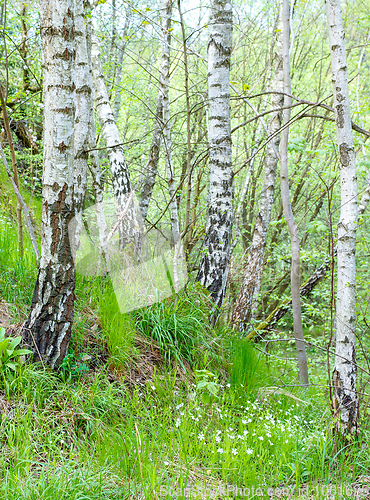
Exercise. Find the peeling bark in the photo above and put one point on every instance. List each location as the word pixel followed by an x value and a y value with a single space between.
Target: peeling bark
pixel 214 266
pixel 48 328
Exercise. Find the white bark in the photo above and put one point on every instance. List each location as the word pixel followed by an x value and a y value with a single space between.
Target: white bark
pixel 83 103
pixel 214 266
pixel 95 170
pixel 254 266
pixel 152 165
pixel 166 7
pixel 119 171
pixel 345 373
pixel 284 183
pixel 118 77
pixel 48 328
pixel 365 198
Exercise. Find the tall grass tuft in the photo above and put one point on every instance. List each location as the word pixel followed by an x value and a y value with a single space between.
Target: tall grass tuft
pixel 179 325
pixel 249 369
pixel 119 329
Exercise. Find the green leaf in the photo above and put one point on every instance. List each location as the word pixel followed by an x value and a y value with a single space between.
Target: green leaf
pixel 3 346
pixel 14 342
pixel 21 352
pixel 2 334
pixel 206 398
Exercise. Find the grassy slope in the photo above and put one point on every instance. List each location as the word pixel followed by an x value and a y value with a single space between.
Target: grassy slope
pixel 85 433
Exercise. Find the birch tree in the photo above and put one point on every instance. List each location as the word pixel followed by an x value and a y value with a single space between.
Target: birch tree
pixel 119 170
pixel 152 165
pixel 83 116
pixel 253 270
pixel 214 266
pixel 94 166
pixel 166 40
pixel 345 402
pixel 48 328
pixel 118 69
pixel 295 273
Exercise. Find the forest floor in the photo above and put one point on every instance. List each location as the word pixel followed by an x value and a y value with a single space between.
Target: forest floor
pixel 157 405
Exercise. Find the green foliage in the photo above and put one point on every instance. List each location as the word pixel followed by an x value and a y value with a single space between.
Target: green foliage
pixel 9 355
pixel 249 369
pixel 207 385
pixel 73 366
pixel 179 325
pixel 118 329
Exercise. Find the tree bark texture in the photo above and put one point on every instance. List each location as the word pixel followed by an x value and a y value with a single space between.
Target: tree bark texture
pixel 94 166
pixel 83 116
pixel 152 165
pixel 345 402
pixel 119 171
pixel 253 270
pixel 48 328
pixel 214 265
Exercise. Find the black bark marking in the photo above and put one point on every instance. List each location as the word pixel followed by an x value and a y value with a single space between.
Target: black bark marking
pixel 345 154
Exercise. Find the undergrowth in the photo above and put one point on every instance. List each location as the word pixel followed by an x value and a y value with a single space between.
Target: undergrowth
pixel 83 433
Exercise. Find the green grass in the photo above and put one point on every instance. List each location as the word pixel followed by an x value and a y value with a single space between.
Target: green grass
pixel 84 436
pixel 180 326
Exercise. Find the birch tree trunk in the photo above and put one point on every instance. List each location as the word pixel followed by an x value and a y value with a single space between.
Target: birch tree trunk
pixel 48 328
pixel 166 40
pixel 83 83
pixel 152 165
pixel 118 70
pixel 94 166
pixel 119 171
pixel 284 183
pixel 214 266
pixel 345 402
pixel 253 269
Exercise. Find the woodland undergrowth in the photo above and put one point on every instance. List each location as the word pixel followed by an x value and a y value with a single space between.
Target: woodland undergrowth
pixel 150 403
